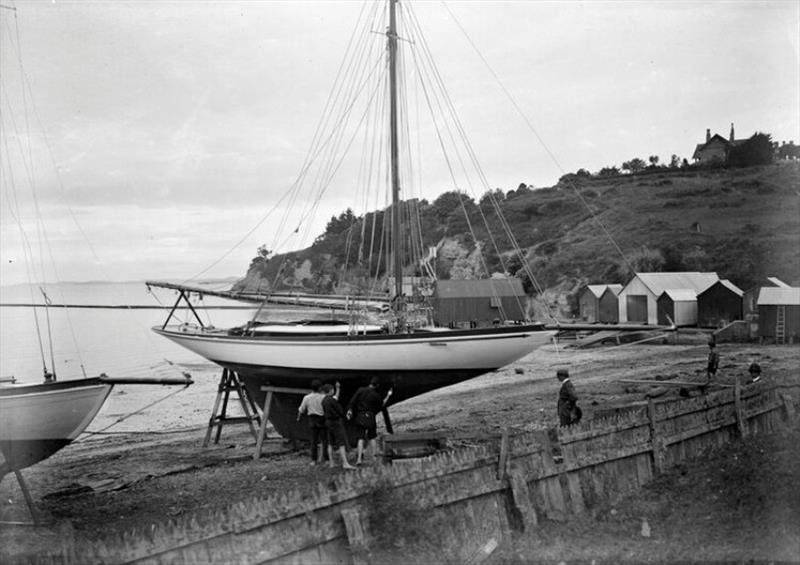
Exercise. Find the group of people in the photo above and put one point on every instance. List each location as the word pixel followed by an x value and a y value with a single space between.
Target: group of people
pixel 326 421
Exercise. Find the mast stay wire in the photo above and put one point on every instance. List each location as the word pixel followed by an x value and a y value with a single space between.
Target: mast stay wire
pixel 536 134
pixel 430 69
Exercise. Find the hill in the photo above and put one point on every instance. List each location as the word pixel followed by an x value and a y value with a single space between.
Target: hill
pixel 742 223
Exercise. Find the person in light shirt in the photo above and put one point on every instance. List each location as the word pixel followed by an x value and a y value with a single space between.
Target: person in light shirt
pixel 311 405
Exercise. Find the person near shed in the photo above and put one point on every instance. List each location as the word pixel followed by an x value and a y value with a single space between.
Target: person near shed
pixel 713 361
pixel 569 412
pixel 363 410
pixel 755 371
pixel 311 405
pixel 334 423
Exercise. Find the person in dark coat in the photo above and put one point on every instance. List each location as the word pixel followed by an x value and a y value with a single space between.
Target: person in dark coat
pixel 755 372
pixel 334 422
pixel 568 411
pixel 311 405
pixel 363 409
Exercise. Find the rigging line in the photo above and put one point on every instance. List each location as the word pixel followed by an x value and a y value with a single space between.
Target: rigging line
pixel 470 150
pixel 27 251
pixel 336 166
pixel 474 160
pixel 345 88
pixel 358 86
pixel 536 133
pixel 294 187
pixel 85 434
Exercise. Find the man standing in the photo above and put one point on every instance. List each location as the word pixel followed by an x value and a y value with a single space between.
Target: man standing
pixel 364 406
pixel 568 411
pixel 312 406
pixel 713 361
pixel 334 414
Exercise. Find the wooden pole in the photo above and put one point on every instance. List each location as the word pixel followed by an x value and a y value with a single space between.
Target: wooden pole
pixel 737 399
pixel 656 442
pixel 262 429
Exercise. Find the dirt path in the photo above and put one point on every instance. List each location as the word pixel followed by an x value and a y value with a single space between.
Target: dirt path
pixel 113 483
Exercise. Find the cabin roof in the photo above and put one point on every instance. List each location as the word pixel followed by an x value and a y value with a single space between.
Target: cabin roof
pixel 680 294
pixel 779 296
pixel 657 283
pixel 479 287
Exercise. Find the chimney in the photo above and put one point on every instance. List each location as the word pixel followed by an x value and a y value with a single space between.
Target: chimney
pixel 708 135
pixel 731 131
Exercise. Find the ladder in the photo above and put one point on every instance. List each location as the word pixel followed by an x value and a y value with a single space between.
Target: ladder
pixel 780 325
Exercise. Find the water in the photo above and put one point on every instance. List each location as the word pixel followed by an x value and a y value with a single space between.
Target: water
pixel 118 342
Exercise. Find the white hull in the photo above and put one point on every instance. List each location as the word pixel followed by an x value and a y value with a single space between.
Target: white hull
pixel 38 420
pixel 430 351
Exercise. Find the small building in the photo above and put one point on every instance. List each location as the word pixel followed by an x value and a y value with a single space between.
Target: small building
pixel 479 302
pixel 750 298
pixel 638 300
pixel 589 303
pixel 719 304
pixel 609 304
pixel 716 147
pixel 678 307
pixel 779 314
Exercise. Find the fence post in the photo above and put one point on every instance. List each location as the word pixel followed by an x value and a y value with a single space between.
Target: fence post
pixel 656 441
pixel 502 463
pixel 355 535
pixel 737 400
pixel 522 498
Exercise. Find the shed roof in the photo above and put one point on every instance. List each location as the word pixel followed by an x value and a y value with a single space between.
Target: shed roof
pixel 732 287
pixel 657 283
pixel 615 288
pixel 597 289
pixel 680 294
pixel 778 282
pixel 779 296
pixel 479 287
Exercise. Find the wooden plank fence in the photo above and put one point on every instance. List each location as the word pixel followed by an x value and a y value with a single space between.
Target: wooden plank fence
pixel 475 496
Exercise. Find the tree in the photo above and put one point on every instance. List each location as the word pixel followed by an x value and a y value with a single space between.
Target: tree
pixel 755 151
pixel 653 161
pixel 608 172
pixel 674 162
pixel 634 165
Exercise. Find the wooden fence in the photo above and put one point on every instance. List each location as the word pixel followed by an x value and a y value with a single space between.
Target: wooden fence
pixel 472 497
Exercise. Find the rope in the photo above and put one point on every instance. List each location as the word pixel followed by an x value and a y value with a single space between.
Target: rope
pixel 123 418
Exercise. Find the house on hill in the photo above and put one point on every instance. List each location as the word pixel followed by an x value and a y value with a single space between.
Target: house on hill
pixel 638 300
pixel 719 304
pixel 598 303
pixel 716 147
pixel 479 302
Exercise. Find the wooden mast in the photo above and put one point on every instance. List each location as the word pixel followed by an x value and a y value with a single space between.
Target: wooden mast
pixel 395 166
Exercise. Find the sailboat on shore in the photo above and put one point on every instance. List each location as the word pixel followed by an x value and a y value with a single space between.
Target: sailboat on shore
pixel 37 419
pixel 407 357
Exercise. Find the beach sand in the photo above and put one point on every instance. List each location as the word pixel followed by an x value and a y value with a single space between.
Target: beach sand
pixel 151 465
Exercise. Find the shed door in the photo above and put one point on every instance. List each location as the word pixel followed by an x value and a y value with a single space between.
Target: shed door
pixel 637 308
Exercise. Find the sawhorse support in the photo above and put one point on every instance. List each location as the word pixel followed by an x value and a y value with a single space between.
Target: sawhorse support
pixel 230 381
pixel 262 431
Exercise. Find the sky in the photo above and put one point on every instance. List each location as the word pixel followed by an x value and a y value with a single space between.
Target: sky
pixel 158 135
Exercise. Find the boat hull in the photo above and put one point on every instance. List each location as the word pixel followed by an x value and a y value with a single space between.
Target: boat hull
pixel 38 420
pixel 412 364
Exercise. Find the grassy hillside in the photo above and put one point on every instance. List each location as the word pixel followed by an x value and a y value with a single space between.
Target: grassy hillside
pixel 742 223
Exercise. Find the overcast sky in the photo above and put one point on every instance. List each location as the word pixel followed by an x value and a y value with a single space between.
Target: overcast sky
pixel 175 126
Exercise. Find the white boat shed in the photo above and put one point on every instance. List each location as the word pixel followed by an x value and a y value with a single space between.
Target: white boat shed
pixel 638 300
pixel 678 307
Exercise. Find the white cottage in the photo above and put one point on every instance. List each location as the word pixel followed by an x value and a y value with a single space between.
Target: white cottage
pixel 638 300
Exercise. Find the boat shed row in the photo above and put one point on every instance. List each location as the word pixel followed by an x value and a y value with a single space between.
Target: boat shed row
pixel 695 299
